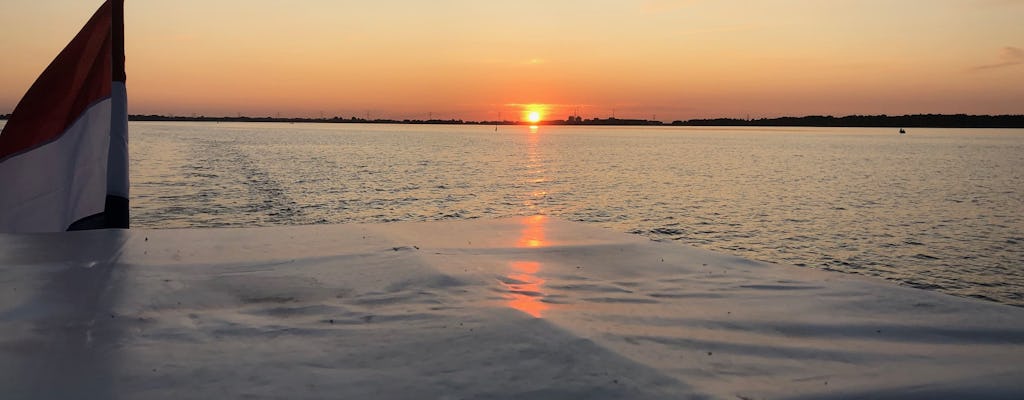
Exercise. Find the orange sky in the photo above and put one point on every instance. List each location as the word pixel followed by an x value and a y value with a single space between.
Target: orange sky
pixel 473 59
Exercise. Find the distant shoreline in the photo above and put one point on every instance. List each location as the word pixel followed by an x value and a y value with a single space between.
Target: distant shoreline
pixel 873 121
pixel 850 121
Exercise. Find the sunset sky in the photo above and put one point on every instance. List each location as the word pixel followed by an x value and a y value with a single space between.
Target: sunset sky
pixel 475 59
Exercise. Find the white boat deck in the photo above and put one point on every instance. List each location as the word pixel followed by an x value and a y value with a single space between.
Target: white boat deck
pixel 518 308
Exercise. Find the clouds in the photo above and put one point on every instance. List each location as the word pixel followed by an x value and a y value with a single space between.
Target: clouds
pixel 1011 56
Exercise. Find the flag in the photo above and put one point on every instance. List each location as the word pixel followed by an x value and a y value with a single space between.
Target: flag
pixel 64 149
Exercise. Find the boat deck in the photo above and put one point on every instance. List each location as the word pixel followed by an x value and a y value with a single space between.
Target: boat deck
pixel 531 307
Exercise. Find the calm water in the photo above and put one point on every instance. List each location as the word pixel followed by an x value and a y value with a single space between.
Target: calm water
pixel 936 209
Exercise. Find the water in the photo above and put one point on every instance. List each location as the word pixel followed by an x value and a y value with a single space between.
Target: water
pixel 935 209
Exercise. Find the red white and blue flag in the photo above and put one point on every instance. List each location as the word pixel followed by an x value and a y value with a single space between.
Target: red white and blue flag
pixel 64 149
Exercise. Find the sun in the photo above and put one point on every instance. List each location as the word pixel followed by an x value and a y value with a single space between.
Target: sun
pixel 534 113
pixel 533 117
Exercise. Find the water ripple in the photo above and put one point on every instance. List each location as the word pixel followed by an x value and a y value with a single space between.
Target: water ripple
pixel 940 209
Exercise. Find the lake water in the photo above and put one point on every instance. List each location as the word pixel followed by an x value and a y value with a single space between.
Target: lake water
pixel 939 209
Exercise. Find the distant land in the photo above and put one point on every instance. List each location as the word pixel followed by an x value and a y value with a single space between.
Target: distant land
pixel 873 121
pixel 852 121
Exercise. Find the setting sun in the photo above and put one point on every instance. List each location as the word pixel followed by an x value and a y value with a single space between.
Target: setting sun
pixel 533 117
pixel 534 113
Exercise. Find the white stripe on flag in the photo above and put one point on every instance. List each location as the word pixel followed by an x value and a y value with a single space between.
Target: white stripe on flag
pixel 68 174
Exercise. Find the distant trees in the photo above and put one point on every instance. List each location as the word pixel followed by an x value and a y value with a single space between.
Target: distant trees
pixel 881 121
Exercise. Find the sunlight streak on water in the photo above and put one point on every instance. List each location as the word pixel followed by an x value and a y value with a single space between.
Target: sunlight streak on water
pixel 524 285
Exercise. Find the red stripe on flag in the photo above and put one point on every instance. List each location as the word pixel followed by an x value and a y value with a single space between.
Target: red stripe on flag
pixel 79 77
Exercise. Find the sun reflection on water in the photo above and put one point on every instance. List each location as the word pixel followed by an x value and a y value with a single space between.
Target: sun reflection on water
pixel 525 288
pixel 535 173
pixel 524 284
pixel 533 232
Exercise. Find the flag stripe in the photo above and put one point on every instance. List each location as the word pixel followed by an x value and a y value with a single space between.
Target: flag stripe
pixel 77 79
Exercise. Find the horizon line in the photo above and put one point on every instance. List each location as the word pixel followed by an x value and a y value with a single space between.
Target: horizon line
pixel 1011 121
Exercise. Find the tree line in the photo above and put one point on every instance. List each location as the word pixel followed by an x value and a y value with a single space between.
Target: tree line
pixel 870 121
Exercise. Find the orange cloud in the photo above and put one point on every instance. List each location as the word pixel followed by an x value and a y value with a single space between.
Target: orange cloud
pixel 1010 55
